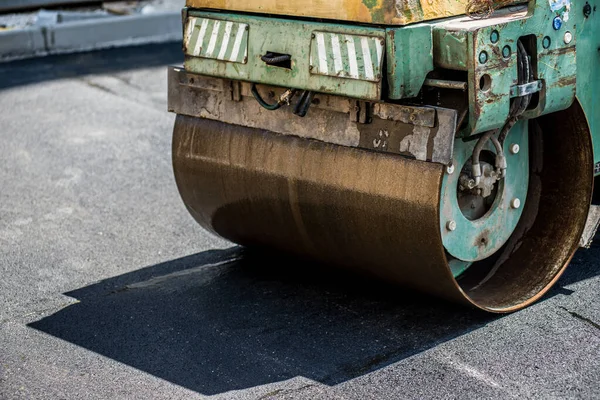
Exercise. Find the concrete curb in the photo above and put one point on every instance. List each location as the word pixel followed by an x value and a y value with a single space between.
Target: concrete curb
pixel 10 5
pixel 92 34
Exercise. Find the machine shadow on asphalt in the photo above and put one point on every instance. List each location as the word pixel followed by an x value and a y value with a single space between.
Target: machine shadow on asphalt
pixel 226 320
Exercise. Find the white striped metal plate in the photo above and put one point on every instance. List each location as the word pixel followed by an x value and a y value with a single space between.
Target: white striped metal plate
pixel 216 39
pixel 346 56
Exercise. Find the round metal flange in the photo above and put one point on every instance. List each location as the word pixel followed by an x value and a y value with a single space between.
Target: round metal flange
pixel 476 239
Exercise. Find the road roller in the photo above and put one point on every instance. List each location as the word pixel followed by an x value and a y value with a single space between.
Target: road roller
pixel 444 146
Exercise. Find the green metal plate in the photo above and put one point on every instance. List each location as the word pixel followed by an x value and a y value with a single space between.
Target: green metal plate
pixel 346 56
pixel 588 69
pixel 409 60
pixel 467 45
pixel 216 39
pixel 296 38
pixel 458 267
pixel 478 239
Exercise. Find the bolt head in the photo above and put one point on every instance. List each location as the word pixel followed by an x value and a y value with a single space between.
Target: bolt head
pixel 515 203
pixel 450 169
pixel 557 23
pixel 568 37
pixel 483 57
pixel 451 225
pixel 495 36
pixel 514 148
pixel 546 42
pixel 587 10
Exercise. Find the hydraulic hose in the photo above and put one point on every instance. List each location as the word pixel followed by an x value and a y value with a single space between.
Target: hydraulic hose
pixel 283 99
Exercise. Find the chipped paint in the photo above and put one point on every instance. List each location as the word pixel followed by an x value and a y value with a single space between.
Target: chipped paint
pixel 388 12
pixel 416 144
pixel 561 8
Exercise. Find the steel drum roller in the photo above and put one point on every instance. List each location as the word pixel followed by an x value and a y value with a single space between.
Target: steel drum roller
pixel 381 213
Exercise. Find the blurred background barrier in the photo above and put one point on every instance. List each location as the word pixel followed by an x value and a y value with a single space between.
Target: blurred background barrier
pixel 82 25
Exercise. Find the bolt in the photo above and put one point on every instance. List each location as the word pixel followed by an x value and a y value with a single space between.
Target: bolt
pixel 495 36
pixel 514 148
pixel 450 169
pixel 587 10
pixel 506 51
pixel 451 225
pixel 557 23
pixel 483 57
pixel 568 37
pixel 515 203
pixel 546 42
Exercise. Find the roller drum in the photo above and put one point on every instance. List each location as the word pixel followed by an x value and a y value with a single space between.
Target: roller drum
pixel 381 212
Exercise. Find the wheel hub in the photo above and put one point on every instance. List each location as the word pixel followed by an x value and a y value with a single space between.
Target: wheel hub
pixel 476 221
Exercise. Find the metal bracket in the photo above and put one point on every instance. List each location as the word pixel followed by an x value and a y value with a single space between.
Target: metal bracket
pixel 362 113
pixel 232 90
pixel 525 89
pixel 422 133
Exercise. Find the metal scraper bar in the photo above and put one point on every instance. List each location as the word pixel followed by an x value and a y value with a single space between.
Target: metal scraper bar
pixel 422 133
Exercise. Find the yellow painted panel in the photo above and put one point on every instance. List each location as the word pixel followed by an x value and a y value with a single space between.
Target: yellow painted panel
pixel 389 12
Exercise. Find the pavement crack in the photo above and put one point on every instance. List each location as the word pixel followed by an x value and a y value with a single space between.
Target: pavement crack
pixel 270 395
pixel 582 318
pixel 101 87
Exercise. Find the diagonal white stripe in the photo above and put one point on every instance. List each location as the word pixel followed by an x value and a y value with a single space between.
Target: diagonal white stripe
pixel 364 43
pixel 213 38
pixel 379 48
pixel 352 56
pixel 238 42
pixel 322 53
pixel 200 37
pixel 225 43
pixel 337 53
pixel 188 30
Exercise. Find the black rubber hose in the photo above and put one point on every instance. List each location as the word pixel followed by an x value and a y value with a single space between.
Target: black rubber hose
pixel 519 104
pixel 270 59
pixel 527 75
pixel 304 103
pixel 263 103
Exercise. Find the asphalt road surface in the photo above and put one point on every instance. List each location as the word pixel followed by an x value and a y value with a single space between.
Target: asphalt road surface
pixel 109 290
